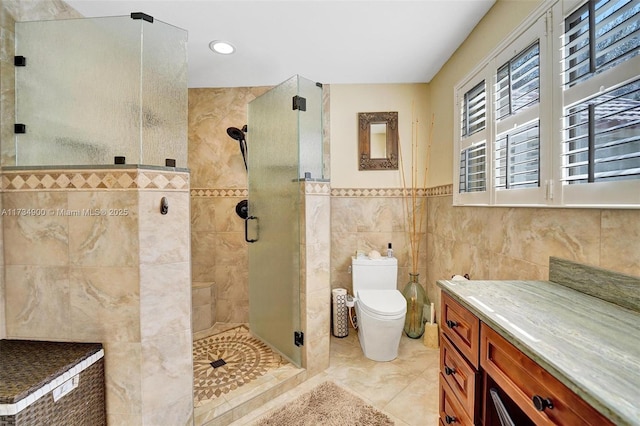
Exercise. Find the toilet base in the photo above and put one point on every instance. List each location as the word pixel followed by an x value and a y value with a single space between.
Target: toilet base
pixel 379 339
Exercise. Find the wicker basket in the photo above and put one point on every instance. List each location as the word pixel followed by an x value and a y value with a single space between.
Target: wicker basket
pixel 51 383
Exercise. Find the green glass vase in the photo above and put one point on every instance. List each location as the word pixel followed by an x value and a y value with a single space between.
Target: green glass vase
pixel 416 299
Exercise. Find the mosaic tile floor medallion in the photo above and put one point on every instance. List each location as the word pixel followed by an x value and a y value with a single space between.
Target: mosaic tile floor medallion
pixel 225 361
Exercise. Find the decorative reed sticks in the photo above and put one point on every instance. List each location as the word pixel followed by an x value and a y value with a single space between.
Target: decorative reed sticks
pixel 414 206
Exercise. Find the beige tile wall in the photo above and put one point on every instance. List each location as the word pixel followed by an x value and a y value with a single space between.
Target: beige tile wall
pixel 123 281
pixel 219 182
pixel 7 94
pixel 369 219
pixel 315 291
pixel 516 243
pixel 485 242
pixel 10 12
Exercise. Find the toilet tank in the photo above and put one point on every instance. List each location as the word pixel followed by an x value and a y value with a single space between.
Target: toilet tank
pixel 374 274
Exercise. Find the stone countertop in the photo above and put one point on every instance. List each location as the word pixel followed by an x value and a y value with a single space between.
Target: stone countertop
pixel 590 345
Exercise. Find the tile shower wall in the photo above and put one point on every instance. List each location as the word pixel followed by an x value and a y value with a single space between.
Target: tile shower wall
pixel 120 277
pixel 218 183
pixel 315 292
pixel 219 251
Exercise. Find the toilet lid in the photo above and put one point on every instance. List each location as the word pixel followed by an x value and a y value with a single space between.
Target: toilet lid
pixel 383 302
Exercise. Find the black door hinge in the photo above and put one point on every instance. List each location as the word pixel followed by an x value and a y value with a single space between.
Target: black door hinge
pixel 298 338
pixel 299 103
pixel 19 61
pixel 143 16
pixel 19 128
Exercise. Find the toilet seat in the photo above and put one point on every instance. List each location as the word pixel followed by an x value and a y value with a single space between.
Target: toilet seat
pixel 382 303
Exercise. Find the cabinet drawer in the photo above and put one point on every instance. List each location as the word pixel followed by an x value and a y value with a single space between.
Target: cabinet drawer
pixel 524 380
pixel 462 328
pixel 451 412
pixel 462 378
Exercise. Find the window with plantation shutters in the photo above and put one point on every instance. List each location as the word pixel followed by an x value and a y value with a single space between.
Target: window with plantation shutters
pixel 472 163
pixel 473 169
pixel 517 98
pixel 517 158
pixel 599 36
pixel 518 82
pixel 551 117
pixel 602 137
pixel 601 130
pixel 474 110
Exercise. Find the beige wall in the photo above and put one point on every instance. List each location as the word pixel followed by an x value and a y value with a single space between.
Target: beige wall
pixel 510 243
pixel 367 211
pixel 502 18
pixel 411 101
pixel 487 243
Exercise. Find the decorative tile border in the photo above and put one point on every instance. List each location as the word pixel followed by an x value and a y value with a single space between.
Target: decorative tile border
pixel 56 180
pixel 317 188
pixel 392 192
pixel 439 191
pixel 324 188
pixel 219 192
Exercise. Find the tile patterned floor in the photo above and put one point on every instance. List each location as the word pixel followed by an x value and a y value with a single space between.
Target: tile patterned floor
pixel 239 400
pixel 238 357
pixel 406 388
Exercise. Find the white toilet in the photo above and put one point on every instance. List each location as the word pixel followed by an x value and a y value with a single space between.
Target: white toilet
pixel 380 307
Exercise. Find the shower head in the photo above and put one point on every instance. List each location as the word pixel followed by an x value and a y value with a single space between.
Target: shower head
pixel 238 135
pixel 235 133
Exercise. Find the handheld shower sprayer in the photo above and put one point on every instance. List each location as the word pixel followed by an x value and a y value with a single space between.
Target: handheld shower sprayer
pixel 242 208
pixel 238 135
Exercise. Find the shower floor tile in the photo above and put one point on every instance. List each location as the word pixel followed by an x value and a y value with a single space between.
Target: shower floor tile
pixel 240 359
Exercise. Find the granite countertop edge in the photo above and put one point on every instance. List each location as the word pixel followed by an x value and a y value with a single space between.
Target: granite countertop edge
pixel 593 397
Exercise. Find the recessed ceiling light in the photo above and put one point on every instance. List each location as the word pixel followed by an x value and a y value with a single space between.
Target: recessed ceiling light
pixel 222 47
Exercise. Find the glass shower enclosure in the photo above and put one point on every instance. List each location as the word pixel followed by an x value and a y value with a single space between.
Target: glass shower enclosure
pixel 92 89
pixel 284 150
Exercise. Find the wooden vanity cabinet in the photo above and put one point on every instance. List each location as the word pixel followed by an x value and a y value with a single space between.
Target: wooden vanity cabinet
pixel 462 328
pixel 542 397
pixel 474 359
pixel 459 361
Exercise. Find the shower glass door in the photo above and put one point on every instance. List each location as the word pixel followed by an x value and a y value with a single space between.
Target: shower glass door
pixel 278 139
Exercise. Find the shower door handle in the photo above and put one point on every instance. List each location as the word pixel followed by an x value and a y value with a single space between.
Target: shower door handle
pixel 246 229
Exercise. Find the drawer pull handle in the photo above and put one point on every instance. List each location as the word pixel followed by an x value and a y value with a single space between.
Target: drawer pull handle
pixel 449 371
pixel 449 419
pixel 542 403
pixel 451 323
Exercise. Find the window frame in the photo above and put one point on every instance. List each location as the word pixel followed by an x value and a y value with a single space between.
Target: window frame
pixel 468 141
pixel 547 24
pixel 536 30
pixel 615 194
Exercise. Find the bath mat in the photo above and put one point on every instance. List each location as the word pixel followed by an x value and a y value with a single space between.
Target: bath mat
pixel 326 405
pixel 225 361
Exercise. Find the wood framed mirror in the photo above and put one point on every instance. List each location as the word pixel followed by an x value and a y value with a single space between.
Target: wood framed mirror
pixel 378 140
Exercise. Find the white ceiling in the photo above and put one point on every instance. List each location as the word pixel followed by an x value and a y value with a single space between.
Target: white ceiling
pixel 329 41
